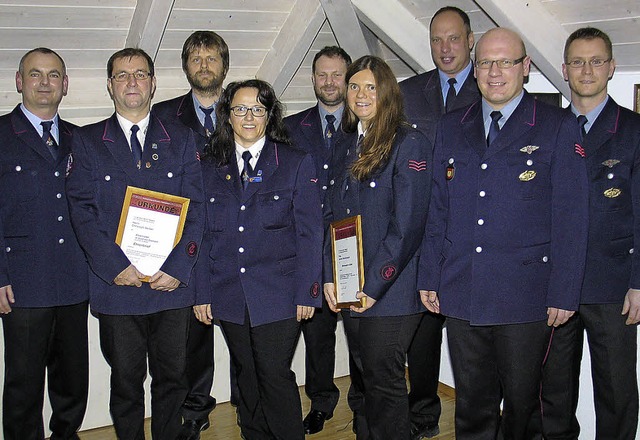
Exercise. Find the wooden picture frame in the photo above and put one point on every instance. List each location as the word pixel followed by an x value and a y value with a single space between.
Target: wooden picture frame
pixel 348 261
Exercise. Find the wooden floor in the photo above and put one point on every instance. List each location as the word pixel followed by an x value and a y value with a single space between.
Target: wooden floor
pixel 223 420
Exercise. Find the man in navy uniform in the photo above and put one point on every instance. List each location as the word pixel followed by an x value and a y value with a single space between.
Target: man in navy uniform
pixel 138 321
pixel 43 272
pixel 505 243
pixel 205 62
pixel 610 302
pixel 450 86
pixel 316 130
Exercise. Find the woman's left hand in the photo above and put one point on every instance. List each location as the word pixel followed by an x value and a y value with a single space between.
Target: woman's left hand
pixel 368 303
pixel 305 312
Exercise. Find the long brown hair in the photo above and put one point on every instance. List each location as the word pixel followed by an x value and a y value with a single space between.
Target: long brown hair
pixel 376 147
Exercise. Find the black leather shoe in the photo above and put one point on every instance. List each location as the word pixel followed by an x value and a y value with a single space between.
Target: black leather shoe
pixel 419 432
pixel 314 422
pixel 191 429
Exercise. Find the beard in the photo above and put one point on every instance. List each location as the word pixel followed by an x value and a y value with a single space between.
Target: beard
pixel 327 100
pixel 206 86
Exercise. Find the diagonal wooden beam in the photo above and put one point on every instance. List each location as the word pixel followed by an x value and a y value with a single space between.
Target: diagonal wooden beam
pixel 543 36
pixel 148 24
pixel 292 44
pixel 346 27
pixel 398 29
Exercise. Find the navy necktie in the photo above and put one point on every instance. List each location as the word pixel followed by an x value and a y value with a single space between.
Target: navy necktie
pixel 48 139
pixel 451 95
pixel 359 144
pixel 136 149
pixel 582 122
pixel 330 131
pixel 208 120
pixel 247 171
pixel 494 128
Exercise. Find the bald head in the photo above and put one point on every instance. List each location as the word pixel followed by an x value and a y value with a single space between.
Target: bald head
pixel 500 35
pixel 499 85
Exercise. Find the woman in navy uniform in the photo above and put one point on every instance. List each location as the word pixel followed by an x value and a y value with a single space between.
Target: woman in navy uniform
pixel 382 171
pixel 261 260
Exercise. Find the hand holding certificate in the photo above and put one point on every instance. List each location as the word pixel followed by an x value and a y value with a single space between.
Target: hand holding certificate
pixel 151 224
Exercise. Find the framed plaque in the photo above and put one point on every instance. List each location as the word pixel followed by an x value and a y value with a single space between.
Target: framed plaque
pixel 151 224
pixel 348 262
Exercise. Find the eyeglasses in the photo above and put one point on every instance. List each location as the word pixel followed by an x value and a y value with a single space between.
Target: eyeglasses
pixel 257 111
pixel 578 63
pixel 139 75
pixel 502 64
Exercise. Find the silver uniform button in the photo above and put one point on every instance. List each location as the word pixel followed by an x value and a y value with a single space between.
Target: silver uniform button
pixel 325 166
pixel 61 241
pixel 529 162
pixel 107 177
pixel 610 176
pixel 631 251
pixel 169 174
pixel 324 187
pixel 482 193
pixel 276 197
pixel 478 249
pixel 242 208
pixel 331 182
pixel 480 221
pixel 450 160
pixel 18 168
pixel 59 218
pixel 241 228
pixel 59 195
pixel 7 249
pixel 57 174
pixel 483 166
pixel 372 184
pixel 545 259
pixel 348 211
pixel 241 250
pixel 242 270
pixel 212 199
pixel 414 126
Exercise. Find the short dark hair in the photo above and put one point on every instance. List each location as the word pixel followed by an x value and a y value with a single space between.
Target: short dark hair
pixel 209 40
pixel 460 12
pixel 42 50
pixel 588 33
pixel 221 147
pixel 331 52
pixel 129 52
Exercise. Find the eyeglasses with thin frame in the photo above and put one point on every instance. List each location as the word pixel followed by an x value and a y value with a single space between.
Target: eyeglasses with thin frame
pixel 139 75
pixel 502 64
pixel 257 111
pixel 579 64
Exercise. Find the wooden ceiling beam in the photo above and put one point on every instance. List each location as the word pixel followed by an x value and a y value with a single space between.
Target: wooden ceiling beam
pixel 346 27
pixel 292 44
pixel 148 24
pixel 399 30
